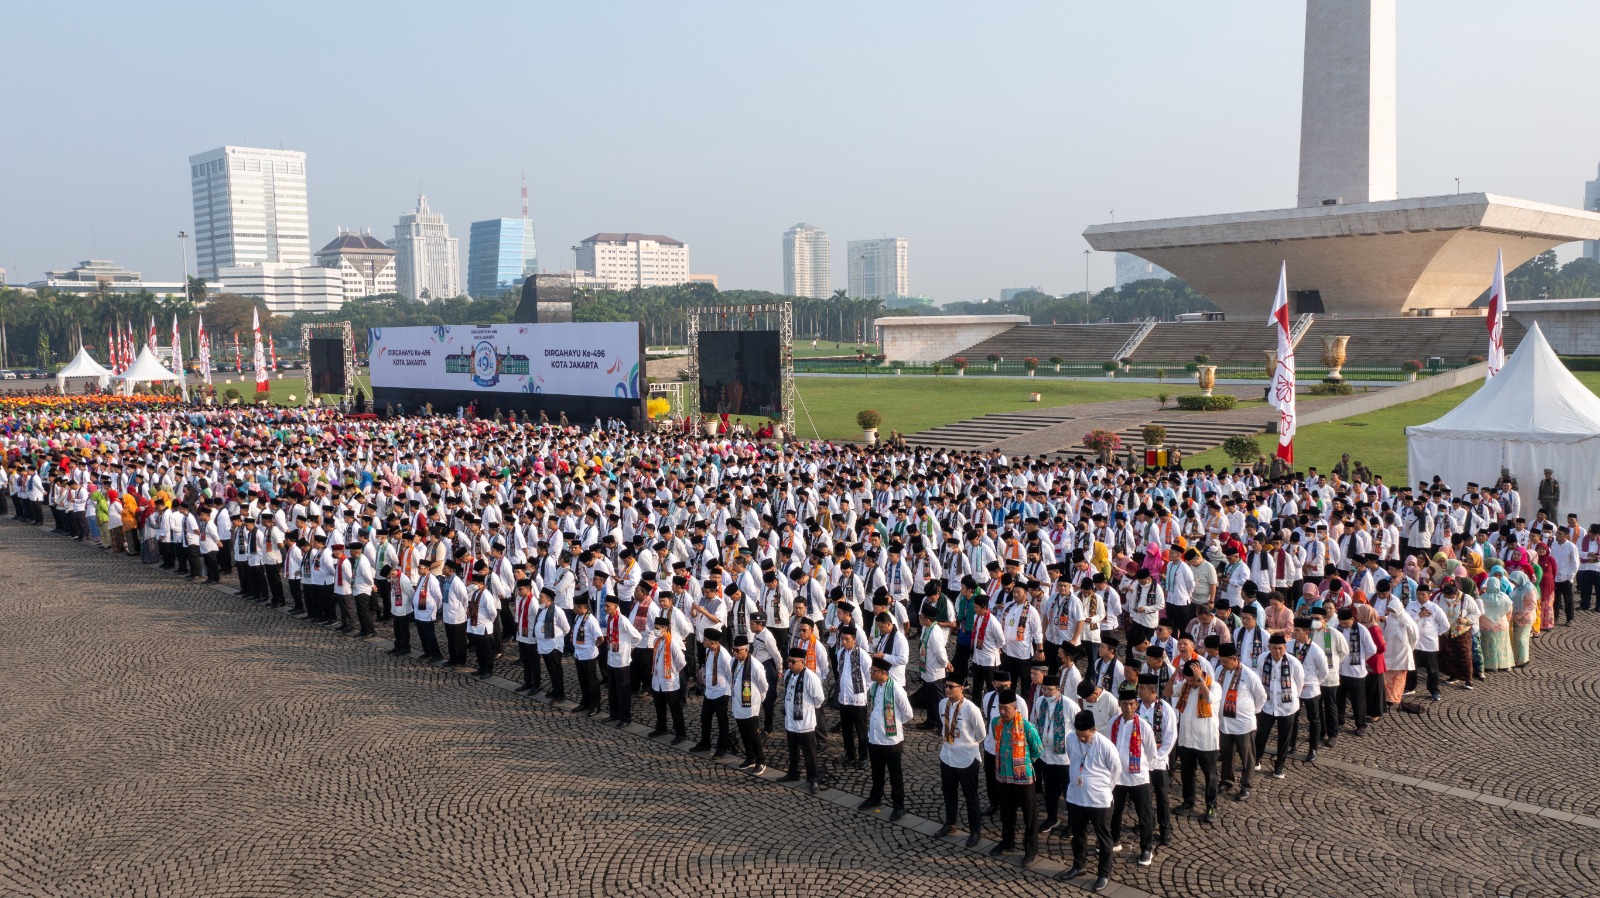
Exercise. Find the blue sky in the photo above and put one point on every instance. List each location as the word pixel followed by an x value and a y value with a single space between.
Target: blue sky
pixel 988 134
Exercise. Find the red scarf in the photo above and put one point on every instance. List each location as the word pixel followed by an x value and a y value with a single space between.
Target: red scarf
pixel 1135 746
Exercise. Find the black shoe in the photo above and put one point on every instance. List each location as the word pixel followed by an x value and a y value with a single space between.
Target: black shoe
pixel 484 674
pixel 1311 756
pixel 1073 872
pixel 658 731
pixel 1210 817
pixel 580 709
pixel 1241 795
pixel 523 688
pixel 398 651
pixel 972 840
pixel 679 740
pixel 1029 857
pixel 861 763
pixel 700 746
pixel 1361 731
pixel 1186 806
pixel 811 788
pixel 1001 848
pixel 746 765
pixel 945 830
pixel 1047 826
pixel 868 805
pixel 790 778
pixel 718 755
pixel 1100 884
pixel 1145 857
pixel 1166 839
pixel 849 759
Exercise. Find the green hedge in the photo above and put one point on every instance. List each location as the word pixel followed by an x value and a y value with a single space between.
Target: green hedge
pixel 1581 362
pixel 1330 390
pixel 1215 403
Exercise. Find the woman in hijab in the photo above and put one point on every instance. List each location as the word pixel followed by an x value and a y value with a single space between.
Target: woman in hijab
pixel 1400 641
pixel 1154 560
pixel 1495 623
pixel 1524 610
pixel 1545 576
pixel 1378 665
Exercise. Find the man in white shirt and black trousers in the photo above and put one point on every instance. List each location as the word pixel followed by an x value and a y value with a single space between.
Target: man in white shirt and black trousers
pixel 802 700
pixel 960 743
pixel 888 714
pixel 1242 696
pixel 1093 768
pixel 852 666
pixel 1137 748
pixel 750 687
pixel 1284 680
pixel 716 679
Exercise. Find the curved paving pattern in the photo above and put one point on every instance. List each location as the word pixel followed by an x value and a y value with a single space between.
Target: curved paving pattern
pixel 166 739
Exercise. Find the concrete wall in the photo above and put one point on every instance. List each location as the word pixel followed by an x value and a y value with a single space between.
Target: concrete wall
pixel 930 338
pixel 1571 325
pixel 1422 388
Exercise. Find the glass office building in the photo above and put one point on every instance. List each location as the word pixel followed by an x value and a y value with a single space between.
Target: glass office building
pixel 500 254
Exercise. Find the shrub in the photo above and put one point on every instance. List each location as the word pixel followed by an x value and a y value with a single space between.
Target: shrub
pixel 897 364
pixel 232 393
pixel 1127 361
pixel 1057 360
pixel 1030 363
pixel 993 357
pixel 1202 359
pixel 938 368
pixel 1243 448
pixel 1102 441
pixel 1162 398
pixel 1161 374
pixel 1330 389
pixel 1154 434
pixel 1411 366
pixel 1215 403
pixel 1109 366
pixel 868 419
pixel 1475 359
pixel 1192 367
pixel 959 363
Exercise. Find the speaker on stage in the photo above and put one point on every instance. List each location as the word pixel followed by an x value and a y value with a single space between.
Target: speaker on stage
pixel 326 357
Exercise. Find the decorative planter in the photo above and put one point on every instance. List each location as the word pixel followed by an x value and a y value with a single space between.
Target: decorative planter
pixel 897 371
pixel 1333 356
pixel 1206 376
pixel 1058 369
pixel 1032 372
pixel 1110 374
pixel 961 372
pixel 870 436
pixel 1033 397
pixel 1272 361
pixel 1411 376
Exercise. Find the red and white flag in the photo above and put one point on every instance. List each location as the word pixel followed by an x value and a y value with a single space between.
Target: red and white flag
pixel 272 348
pixel 151 342
pixel 204 348
pixel 259 358
pixel 111 351
pixel 1282 395
pixel 1496 359
pixel 177 357
pixel 238 356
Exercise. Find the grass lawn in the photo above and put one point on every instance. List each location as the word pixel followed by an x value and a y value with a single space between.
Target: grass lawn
pixel 1377 439
pixel 292 383
pixel 909 404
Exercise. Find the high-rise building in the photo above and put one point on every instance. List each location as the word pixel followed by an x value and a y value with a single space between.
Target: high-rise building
pixel 500 254
pixel 366 265
pixel 634 260
pixel 879 268
pixel 427 258
pixel 1591 201
pixel 807 268
pixel 249 208
pixel 285 289
pixel 1131 268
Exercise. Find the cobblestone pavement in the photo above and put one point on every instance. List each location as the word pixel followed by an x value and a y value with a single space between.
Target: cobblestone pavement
pixel 167 739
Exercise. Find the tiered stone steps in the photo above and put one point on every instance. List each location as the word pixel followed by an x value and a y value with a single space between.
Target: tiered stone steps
pixel 975 433
pixel 1073 342
pixel 1190 433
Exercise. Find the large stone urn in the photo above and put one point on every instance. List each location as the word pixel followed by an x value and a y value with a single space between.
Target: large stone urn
pixel 1272 362
pixel 1206 375
pixel 1333 356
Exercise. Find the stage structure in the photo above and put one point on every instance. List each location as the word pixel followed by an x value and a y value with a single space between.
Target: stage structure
pixel 587 370
pixel 330 359
pixel 741 360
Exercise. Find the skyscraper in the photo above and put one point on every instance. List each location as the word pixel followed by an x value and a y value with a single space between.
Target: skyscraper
pixel 879 268
pixel 807 267
pixel 249 208
pixel 631 260
pixel 500 254
pixel 428 258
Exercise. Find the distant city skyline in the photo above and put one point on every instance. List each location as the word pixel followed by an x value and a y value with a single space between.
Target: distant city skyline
pixel 711 167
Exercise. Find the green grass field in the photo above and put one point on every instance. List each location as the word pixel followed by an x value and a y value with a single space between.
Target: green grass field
pixel 909 404
pixel 1377 439
pixel 292 383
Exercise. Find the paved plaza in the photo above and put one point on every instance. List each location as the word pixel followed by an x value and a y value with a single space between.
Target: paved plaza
pixel 168 739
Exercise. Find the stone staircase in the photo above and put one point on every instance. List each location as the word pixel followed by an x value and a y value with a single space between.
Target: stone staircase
pixel 1189 432
pixel 976 433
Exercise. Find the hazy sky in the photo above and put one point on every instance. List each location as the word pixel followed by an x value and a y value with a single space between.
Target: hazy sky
pixel 989 134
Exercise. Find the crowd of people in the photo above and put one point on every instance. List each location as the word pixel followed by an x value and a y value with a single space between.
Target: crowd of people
pixel 1069 633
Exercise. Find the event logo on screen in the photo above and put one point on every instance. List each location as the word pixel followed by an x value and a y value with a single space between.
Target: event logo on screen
pixel 485 364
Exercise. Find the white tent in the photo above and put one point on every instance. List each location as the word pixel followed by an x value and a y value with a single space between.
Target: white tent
pixel 82 365
pixel 146 368
pixel 1533 415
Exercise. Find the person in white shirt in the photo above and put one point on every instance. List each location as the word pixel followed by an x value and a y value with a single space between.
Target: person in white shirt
pixel 935 664
pixel 586 636
pixel 1284 679
pixel 749 679
pixel 1242 696
pixel 621 637
pixel 888 714
pixel 524 613
pixel 1589 569
pixel 1094 767
pixel 1053 714
pixel 988 637
pixel 1136 745
pixel 482 609
pixel 362 587
pixel 853 664
pixel 802 701
pixel 665 674
pixel 961 735
pixel 550 628
pixel 1197 695
pixel 1103 702
pixel 1566 557
pixel 716 679
pixel 1163 722
pixel 1177 584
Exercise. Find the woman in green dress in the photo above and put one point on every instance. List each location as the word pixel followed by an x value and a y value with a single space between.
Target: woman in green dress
pixel 1524 611
pixel 1495 624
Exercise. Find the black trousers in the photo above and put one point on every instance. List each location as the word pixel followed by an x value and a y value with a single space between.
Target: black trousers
pixel 274 583
pixel 853 723
pixel 1206 761
pixel 483 645
pixel 225 556
pixel 1427 664
pixel 670 701
pixel 961 660
pixel 297 593
pixel 1141 798
pixel 385 599
pixel 1179 616
pixel 1053 779
pixel 803 744
pixel 1588 589
pixel 1311 710
pixel 192 553
pixel 982 680
pixel 168 557
pixel 715 710
pixel 1330 713
pixel 770 700
pixel 1023 798
pixel 1242 745
pixel 1288 729
pixel 213 572
pixel 247 581
pixel 428 635
pixel 964 779
pixel 991 786
pixel 928 696
pixel 886 759
pixel 1564 598
pixel 1160 791
pixel 1079 820
pixel 621 697
pixel 366 609
pixel 755 748
pixel 455 637
pixel 528 656
pixel 558 679
pixel 589 683
pixel 402 632
pixel 1375 703
pixel 640 669
pixel 1019 668
pixel 1353 691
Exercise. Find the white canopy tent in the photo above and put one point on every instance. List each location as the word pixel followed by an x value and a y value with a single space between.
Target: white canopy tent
pixel 83 365
pixel 1533 415
pixel 146 369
